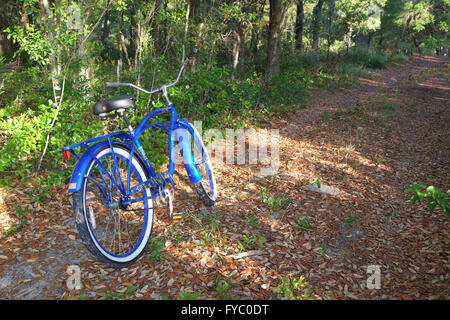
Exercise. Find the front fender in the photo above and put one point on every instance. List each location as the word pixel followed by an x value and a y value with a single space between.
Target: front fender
pixel 182 136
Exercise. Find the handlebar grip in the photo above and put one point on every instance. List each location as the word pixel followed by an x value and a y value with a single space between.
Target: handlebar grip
pixel 192 53
pixel 112 84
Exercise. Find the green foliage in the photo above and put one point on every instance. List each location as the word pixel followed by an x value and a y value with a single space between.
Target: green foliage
pixel 21 215
pixel 208 220
pixel 250 243
pixel 277 203
pixel 154 249
pixel 433 195
pixel 416 15
pixel 40 194
pixel 323 248
pixel 223 286
pixel 111 295
pixel 24 134
pixel 367 59
pixel 26 117
pixel 184 295
pixel 154 143
pixel 14 229
pixel 302 223
pixel 294 289
pixel 415 24
pixel 398 57
pixel 32 41
pixel 252 221
pixel 209 228
pixel 23 88
pixel 317 181
pixel 352 218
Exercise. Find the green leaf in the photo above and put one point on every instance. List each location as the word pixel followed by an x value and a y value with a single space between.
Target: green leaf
pixel 413 199
pixel 415 187
pixel 432 205
pixel 421 195
pixel 131 289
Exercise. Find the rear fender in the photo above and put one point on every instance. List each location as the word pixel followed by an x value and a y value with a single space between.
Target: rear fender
pixel 83 162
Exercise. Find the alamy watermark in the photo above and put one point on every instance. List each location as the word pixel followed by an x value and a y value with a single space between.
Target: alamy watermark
pixel 374 14
pixel 74 17
pixel 236 147
pixel 73 282
pixel 374 278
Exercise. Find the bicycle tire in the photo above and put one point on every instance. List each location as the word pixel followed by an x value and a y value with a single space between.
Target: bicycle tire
pixel 90 224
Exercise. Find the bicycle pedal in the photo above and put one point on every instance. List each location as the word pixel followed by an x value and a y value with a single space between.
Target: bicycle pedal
pixel 178 215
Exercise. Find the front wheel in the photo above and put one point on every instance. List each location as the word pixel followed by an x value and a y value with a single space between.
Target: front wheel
pixel 206 188
pixel 113 225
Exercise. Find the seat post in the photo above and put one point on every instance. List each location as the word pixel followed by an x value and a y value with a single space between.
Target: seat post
pixel 121 113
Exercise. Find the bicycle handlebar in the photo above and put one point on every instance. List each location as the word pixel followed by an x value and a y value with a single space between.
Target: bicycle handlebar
pixel 161 89
pixel 112 84
pixel 126 84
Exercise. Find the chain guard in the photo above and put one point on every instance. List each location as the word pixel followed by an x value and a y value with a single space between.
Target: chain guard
pixel 162 189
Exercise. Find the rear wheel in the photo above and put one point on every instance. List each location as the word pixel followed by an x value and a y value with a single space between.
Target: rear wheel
pixel 114 227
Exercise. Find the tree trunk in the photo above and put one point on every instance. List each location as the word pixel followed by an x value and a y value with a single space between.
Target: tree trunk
pixel 380 41
pixel 186 29
pixel 329 23
pixel 238 48
pixel 194 13
pixel 348 40
pixel 194 19
pixel 369 39
pixel 55 68
pixel 274 41
pixel 5 43
pixel 239 42
pixel 416 44
pixel 156 30
pixel 133 33
pixel 122 44
pixel 317 11
pixel 24 21
pixel 254 38
pixel 299 25
pixel 105 28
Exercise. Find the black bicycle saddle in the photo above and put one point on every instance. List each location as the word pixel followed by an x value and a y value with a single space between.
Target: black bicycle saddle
pixel 106 106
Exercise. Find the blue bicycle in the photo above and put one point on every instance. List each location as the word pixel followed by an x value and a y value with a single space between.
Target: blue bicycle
pixel 115 187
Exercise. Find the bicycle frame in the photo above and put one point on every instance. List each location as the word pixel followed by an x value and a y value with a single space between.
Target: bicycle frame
pixel 131 141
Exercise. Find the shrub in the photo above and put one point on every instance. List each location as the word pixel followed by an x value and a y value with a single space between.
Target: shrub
pixel 366 58
pixel 376 62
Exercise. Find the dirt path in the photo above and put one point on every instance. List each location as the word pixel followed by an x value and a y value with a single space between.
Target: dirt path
pixel 369 142
pixel 321 101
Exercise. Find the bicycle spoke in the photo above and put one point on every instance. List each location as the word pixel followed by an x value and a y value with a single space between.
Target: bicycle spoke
pixel 99 187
